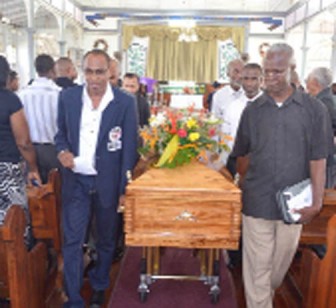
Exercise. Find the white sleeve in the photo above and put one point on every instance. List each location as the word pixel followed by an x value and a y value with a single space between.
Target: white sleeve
pixel 215 108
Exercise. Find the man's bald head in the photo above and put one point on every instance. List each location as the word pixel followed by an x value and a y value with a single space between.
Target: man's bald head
pixel 64 67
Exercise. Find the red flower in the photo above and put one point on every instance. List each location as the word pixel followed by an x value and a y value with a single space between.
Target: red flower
pixel 182 133
pixel 173 122
pixel 212 132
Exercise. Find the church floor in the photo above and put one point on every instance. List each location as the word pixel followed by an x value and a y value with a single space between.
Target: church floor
pixel 57 299
pixel 284 298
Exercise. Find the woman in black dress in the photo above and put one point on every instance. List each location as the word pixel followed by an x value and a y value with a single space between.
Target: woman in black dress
pixel 17 154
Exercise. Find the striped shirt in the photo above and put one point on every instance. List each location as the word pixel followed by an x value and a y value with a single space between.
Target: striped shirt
pixel 40 101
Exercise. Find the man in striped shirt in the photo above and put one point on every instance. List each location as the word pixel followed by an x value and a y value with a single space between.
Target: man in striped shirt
pixel 40 100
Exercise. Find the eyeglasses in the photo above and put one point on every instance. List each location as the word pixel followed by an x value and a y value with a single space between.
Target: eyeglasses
pixel 274 72
pixel 97 72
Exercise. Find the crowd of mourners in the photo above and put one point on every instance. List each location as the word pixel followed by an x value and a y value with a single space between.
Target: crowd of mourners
pixel 281 134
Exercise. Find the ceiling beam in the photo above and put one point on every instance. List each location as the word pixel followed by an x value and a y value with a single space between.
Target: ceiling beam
pixel 132 12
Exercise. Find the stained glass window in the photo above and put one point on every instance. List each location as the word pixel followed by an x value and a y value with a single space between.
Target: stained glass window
pixel 226 52
pixel 136 58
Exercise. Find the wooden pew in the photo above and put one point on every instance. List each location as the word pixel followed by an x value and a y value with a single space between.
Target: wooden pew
pixel 24 276
pixel 313 278
pixel 45 210
pixel 309 278
pixel 315 232
pixel 317 281
pixel 22 273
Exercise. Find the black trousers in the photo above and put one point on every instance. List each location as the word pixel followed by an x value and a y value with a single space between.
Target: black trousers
pixel 234 255
pixel 46 157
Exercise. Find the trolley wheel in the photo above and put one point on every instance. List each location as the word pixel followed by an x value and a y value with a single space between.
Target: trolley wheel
pixel 214 298
pixel 143 296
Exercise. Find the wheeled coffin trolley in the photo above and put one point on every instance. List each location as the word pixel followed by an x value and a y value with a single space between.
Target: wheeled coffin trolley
pixel 187 207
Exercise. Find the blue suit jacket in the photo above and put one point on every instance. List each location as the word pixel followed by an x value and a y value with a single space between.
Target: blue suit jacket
pixel 112 166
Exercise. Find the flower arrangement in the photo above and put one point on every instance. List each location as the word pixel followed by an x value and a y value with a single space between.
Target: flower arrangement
pixel 179 136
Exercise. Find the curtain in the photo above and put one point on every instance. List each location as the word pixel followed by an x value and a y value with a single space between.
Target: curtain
pixel 170 59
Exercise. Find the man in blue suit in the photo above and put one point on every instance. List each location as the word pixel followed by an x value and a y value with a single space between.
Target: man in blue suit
pixel 97 147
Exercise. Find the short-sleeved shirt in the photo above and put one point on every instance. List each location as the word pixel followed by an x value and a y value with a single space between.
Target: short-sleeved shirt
pixel 40 100
pixel 223 98
pixel 280 143
pixel 9 104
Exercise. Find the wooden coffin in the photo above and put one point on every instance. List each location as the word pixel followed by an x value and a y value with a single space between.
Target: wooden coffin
pixel 190 206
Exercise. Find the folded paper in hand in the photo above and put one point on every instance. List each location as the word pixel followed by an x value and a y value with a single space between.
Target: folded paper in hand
pixel 83 166
pixel 293 198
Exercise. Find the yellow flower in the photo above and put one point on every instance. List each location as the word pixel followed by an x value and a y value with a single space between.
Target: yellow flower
pixel 194 136
pixel 191 123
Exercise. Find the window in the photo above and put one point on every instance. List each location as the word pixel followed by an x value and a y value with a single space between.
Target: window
pixel 137 57
pixel 227 52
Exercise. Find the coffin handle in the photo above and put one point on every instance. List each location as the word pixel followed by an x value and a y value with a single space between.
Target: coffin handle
pixel 185 215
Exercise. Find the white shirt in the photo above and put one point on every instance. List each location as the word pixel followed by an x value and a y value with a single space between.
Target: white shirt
pixel 221 102
pixel 40 101
pixel 233 115
pixel 231 118
pixel 89 131
pixel 223 98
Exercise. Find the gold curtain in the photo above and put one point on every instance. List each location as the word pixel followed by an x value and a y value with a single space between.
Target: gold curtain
pixel 169 59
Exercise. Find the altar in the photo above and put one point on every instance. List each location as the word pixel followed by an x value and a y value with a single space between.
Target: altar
pixel 181 94
pixel 186 100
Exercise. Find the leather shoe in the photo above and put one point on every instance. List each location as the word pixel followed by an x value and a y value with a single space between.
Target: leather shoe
pixel 119 253
pixel 97 298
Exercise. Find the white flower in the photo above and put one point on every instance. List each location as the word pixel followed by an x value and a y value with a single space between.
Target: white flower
pixel 157 120
pixel 213 120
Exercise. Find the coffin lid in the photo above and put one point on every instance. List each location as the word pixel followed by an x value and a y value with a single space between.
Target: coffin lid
pixel 190 177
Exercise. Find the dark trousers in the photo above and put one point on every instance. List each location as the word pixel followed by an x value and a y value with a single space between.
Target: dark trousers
pixel 235 255
pixel 46 157
pixel 76 213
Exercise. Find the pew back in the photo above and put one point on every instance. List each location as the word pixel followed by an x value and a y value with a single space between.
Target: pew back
pixel 315 232
pixel 318 280
pixel 22 272
pixel 45 209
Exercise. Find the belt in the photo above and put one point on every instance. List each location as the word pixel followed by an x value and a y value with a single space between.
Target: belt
pixel 42 143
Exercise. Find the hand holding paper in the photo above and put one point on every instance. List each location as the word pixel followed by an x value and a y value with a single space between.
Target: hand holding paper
pixel 83 166
pixel 300 201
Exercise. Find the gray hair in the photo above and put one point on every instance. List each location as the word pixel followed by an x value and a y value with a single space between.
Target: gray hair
pixel 233 62
pixel 322 75
pixel 283 48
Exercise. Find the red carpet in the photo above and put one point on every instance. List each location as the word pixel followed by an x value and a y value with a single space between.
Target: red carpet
pixel 169 293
